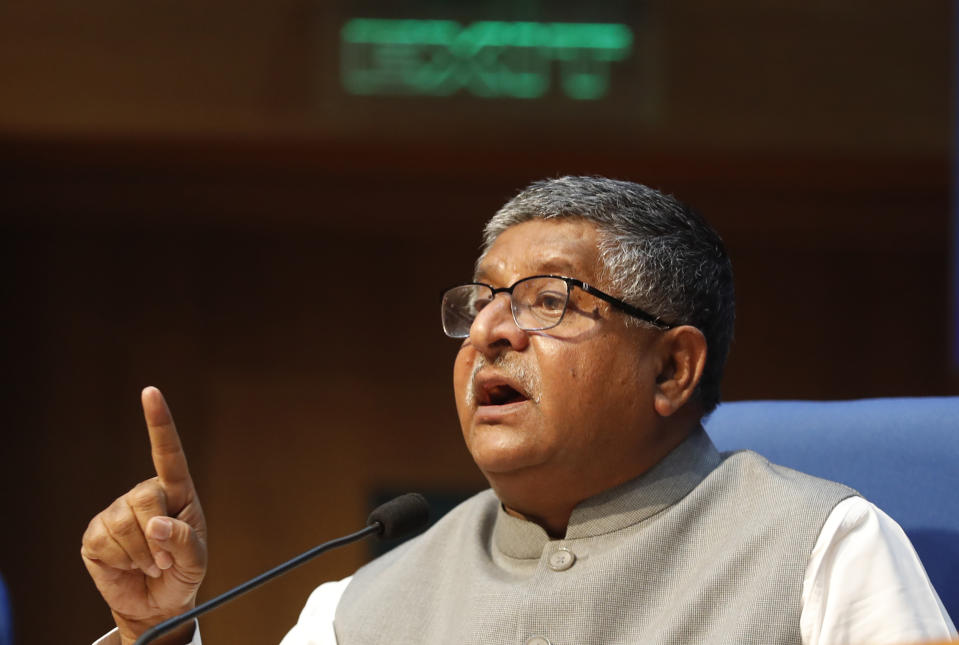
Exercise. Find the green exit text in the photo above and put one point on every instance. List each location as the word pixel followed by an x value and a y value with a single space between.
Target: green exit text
pixel 487 59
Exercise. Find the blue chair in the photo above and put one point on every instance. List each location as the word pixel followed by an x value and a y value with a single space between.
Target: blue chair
pixel 901 453
pixel 6 616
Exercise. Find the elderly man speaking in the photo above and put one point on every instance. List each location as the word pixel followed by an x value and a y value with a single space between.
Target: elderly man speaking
pixel 594 335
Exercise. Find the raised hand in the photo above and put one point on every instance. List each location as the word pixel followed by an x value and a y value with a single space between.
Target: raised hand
pixel 147 551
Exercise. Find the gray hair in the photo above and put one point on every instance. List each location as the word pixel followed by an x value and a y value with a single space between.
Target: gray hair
pixel 657 254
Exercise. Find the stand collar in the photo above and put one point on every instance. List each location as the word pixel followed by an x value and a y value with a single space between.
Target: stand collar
pixel 617 508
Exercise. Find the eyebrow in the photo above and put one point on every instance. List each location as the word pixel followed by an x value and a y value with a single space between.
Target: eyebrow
pixel 556 265
pixel 553 266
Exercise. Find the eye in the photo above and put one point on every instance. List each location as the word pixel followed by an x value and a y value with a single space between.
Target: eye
pixel 550 301
pixel 477 304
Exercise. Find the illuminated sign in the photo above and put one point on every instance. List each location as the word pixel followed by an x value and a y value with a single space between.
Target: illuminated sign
pixel 487 59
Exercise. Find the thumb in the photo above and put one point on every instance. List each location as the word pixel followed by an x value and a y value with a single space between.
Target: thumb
pixel 175 542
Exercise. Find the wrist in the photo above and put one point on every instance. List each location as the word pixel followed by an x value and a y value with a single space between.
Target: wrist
pixel 182 635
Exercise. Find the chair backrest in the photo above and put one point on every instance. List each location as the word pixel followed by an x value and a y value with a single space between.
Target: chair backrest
pixel 902 454
pixel 6 616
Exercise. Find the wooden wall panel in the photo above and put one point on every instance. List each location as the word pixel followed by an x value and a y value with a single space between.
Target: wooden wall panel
pixel 236 277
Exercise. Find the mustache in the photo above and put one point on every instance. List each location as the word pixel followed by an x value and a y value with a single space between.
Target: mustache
pixel 510 364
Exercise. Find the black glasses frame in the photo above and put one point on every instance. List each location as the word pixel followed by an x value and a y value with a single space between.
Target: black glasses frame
pixel 625 307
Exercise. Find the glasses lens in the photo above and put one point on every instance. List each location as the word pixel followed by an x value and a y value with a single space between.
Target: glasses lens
pixel 539 303
pixel 460 307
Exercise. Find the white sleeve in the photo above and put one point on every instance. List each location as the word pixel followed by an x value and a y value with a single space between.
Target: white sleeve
pixel 113 637
pixel 315 626
pixel 865 584
pixel 110 638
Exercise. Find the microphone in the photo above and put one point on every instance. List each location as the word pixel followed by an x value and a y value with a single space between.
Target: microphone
pixel 398 517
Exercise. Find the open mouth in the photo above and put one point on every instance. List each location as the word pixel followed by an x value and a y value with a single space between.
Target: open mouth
pixel 500 395
pixel 498 392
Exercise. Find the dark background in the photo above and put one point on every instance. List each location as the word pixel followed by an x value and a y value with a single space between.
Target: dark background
pixel 189 200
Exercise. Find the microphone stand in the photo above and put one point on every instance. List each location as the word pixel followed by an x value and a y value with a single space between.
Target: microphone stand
pixel 171 623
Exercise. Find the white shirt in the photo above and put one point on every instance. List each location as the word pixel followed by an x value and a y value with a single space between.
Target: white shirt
pixel 864 584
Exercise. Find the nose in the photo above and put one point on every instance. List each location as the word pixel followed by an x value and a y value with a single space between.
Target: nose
pixel 494 330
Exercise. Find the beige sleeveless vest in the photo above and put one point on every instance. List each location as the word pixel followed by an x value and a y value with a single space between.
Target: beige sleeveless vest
pixel 703 548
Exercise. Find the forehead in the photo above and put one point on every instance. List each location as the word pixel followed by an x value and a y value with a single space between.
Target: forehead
pixel 561 246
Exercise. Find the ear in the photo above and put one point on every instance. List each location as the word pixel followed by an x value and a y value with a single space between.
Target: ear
pixel 683 352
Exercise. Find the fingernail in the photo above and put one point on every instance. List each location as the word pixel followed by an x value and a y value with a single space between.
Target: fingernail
pixel 161 529
pixel 154 571
pixel 163 560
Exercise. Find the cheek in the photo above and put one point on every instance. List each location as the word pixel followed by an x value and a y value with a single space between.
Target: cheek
pixel 583 388
pixel 567 381
pixel 462 368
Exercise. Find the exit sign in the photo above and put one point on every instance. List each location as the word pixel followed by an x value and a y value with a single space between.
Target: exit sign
pixel 487 59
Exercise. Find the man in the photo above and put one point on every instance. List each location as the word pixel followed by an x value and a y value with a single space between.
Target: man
pixel 594 339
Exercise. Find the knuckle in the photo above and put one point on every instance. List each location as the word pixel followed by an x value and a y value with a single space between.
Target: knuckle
pixel 94 527
pixel 94 541
pixel 123 524
pixel 145 495
pixel 96 534
pixel 98 545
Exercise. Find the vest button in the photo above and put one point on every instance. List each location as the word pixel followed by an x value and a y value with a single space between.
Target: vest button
pixel 538 640
pixel 561 559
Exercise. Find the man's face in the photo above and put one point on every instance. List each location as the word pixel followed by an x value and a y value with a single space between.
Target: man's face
pixel 568 407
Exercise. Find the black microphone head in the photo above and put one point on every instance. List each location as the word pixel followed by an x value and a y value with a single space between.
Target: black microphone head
pixel 401 515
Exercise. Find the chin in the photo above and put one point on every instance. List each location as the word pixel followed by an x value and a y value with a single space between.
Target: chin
pixel 497 451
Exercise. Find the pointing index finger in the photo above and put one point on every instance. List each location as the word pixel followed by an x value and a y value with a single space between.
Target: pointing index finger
pixel 168 456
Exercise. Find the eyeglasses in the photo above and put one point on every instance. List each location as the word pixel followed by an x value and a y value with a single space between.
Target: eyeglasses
pixel 538 302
